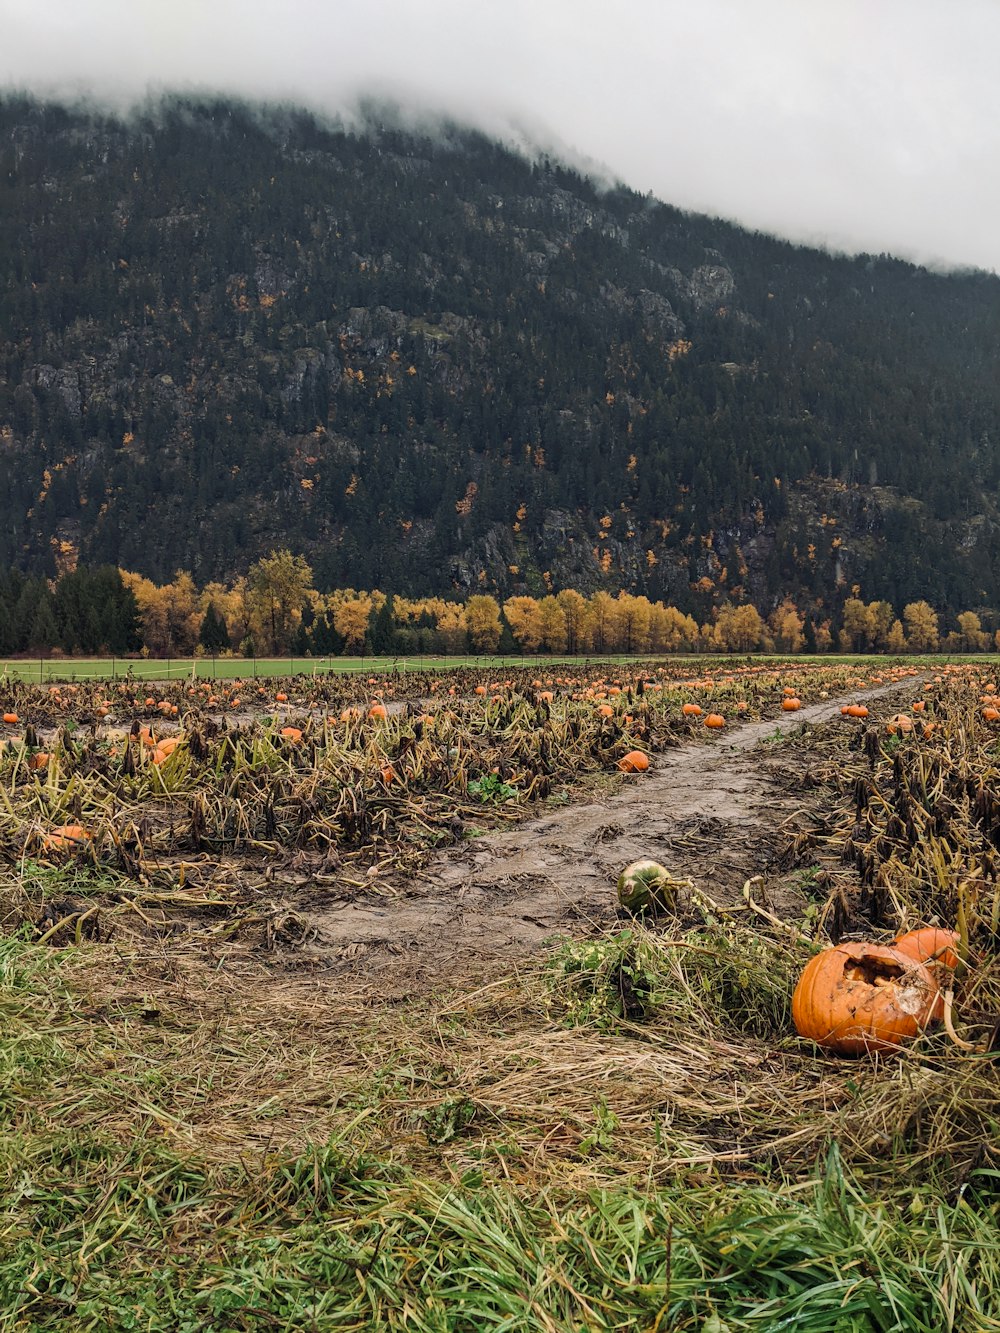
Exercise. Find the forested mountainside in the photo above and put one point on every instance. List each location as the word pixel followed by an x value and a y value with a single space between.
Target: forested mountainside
pixel 429 365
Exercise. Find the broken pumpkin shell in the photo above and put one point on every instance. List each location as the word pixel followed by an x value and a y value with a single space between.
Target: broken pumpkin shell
pixel 854 999
pixel 937 949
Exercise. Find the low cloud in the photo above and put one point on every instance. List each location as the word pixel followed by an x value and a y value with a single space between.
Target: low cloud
pixel 855 125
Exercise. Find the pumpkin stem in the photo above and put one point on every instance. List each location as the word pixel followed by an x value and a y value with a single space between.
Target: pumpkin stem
pixel 949 1026
pixel 962 926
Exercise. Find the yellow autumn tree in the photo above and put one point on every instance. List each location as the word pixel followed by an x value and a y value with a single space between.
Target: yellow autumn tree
pixel 170 614
pixel 451 627
pixel 525 620
pixel 602 619
pixel 880 618
pixel 482 622
pixel 350 620
pixel 633 623
pixel 786 625
pixel 738 629
pixel 670 631
pixel 895 640
pixel 858 629
pixel 552 621
pixel 972 638
pixel 921 623
pixel 279 587
pixel 574 608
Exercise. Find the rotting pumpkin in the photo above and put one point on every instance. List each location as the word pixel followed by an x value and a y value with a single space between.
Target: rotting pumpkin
pixel 937 949
pixel 854 999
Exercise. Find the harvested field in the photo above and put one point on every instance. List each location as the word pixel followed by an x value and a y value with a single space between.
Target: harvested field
pixel 348 1027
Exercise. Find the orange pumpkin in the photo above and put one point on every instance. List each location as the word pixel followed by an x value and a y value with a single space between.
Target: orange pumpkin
pixel 899 724
pixel 691 710
pixel 634 762
pixel 66 838
pixel 38 760
pixel 378 710
pixel 162 750
pixel 715 720
pixel 857 710
pixel 292 734
pixel 938 950
pixel 11 719
pixel 857 998
pixel 791 704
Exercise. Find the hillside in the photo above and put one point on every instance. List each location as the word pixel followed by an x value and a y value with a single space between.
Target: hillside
pixel 433 365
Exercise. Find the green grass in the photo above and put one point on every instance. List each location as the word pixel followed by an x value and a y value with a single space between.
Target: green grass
pixel 50 670
pixel 45 671
pixel 130 1224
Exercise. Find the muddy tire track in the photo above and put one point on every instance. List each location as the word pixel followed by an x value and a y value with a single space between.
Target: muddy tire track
pixel 706 811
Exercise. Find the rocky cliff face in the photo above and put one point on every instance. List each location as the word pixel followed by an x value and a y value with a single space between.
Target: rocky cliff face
pixel 432 365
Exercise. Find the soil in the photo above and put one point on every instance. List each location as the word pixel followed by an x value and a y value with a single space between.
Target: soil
pixel 711 813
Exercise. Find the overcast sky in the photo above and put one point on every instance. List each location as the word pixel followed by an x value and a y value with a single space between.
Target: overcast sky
pixel 860 124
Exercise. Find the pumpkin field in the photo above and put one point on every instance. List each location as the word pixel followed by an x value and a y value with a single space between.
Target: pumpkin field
pixel 471 1000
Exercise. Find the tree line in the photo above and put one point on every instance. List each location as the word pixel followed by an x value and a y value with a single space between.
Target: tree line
pixel 275 610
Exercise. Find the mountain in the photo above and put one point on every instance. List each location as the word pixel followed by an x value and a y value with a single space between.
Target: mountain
pixel 429 363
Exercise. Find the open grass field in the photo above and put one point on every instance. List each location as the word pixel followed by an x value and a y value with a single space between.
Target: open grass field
pixel 48 671
pixel 320 1010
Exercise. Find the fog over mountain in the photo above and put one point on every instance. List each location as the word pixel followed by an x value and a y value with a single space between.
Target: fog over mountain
pixel 856 126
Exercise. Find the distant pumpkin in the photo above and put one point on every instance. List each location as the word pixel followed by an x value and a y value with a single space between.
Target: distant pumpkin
pixel 67 838
pixel 634 762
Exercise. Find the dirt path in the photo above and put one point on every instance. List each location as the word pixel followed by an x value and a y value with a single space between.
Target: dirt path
pixel 707 812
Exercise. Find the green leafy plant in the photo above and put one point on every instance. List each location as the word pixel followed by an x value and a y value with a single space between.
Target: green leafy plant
pixel 601 981
pixel 492 790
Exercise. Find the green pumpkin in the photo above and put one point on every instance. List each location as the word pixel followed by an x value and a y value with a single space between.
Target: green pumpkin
pixel 646 885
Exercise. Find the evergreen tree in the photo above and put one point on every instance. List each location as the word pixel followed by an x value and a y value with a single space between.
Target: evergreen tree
pixel 43 634
pixel 382 628
pixel 508 646
pixel 213 635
